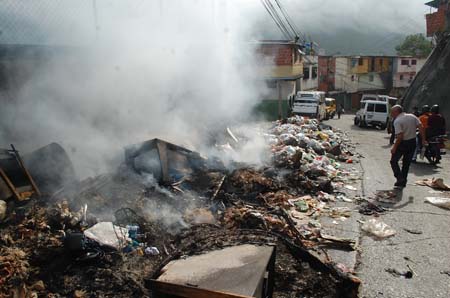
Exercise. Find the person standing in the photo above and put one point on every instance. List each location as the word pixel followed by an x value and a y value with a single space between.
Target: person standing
pixel 340 110
pixel 423 118
pixel 405 126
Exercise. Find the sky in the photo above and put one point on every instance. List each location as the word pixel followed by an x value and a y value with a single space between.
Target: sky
pixel 353 26
pixel 343 26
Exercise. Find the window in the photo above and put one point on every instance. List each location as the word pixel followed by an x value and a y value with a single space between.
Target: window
pixel 380 108
pixel 381 62
pixel 314 72
pixel 414 62
pixel 401 77
pixel 370 107
pixel 306 74
pixel 360 61
pixel 405 62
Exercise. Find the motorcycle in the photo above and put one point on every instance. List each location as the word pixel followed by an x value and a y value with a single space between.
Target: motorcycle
pixel 435 149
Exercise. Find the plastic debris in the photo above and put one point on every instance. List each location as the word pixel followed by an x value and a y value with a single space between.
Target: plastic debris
pixel 3 207
pixel 351 187
pixel 378 228
pixel 152 251
pixel 434 183
pixel 107 234
pixel 440 202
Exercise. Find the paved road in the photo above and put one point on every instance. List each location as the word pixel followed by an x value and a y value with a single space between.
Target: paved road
pixel 428 254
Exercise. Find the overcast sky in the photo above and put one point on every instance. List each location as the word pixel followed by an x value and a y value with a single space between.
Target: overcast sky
pixel 339 26
pixel 366 26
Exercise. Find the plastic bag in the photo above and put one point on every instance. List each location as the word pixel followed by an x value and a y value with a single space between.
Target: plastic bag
pixel 440 202
pixel 378 228
pixel 107 234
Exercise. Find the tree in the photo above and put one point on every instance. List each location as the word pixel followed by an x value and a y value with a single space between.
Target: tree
pixel 415 45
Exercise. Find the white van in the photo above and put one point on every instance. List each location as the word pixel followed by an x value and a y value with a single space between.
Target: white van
pixel 386 98
pixel 373 113
pixel 309 104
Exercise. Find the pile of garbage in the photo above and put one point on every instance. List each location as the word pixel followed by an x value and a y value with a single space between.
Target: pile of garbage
pixel 108 235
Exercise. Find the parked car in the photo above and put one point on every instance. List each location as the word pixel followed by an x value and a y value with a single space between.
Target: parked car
pixel 330 108
pixel 373 113
pixel 309 104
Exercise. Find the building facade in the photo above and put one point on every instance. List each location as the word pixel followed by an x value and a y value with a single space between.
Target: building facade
pixel 310 79
pixel 404 72
pixel 349 77
pixel 281 65
pixel 438 21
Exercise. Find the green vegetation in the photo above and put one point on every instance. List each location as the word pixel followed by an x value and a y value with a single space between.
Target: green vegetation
pixel 415 45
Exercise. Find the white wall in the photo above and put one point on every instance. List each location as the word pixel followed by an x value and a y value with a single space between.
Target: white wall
pixel 287 88
pixel 310 83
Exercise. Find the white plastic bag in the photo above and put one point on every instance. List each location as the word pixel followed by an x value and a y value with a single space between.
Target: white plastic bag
pixel 107 234
pixel 440 202
pixel 378 228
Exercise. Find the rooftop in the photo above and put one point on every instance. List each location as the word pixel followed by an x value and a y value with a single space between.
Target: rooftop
pixel 436 3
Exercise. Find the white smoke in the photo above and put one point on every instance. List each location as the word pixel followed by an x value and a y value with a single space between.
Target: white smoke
pixel 139 70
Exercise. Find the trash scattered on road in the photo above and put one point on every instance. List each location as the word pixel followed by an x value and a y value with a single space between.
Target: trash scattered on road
pixel 413 231
pixel 385 196
pixel 368 207
pixel 378 228
pixel 351 187
pixel 434 183
pixel 446 272
pixel 400 273
pixel 440 202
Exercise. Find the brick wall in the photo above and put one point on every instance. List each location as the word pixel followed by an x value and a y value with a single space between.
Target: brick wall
pixel 326 72
pixel 437 22
pixel 279 54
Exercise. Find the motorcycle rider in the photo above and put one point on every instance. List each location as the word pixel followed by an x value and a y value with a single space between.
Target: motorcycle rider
pixel 436 127
pixel 425 115
pixel 436 123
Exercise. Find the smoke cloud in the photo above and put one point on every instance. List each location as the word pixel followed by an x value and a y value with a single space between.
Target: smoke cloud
pixel 130 72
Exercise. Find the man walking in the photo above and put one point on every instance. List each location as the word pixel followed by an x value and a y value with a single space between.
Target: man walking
pixel 405 126
pixel 340 110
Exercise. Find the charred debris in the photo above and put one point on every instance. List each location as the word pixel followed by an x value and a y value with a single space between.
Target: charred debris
pixel 251 231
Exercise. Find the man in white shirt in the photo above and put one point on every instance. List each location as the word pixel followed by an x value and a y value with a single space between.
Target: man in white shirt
pixel 406 126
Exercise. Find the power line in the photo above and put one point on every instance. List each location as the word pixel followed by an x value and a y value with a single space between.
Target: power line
pixel 286 17
pixel 286 34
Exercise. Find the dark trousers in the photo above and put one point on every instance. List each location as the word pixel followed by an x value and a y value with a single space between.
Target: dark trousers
pixel 406 150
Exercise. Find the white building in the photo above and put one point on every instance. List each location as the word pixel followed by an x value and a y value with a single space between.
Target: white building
pixel 310 80
pixel 405 70
pixel 353 75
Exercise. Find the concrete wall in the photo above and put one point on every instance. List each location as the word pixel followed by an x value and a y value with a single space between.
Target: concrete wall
pixel 431 85
pixel 287 88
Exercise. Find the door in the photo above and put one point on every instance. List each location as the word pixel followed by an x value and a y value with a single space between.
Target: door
pixel 370 112
pixel 381 113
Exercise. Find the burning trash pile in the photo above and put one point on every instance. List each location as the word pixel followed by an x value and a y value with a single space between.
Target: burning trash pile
pixel 128 233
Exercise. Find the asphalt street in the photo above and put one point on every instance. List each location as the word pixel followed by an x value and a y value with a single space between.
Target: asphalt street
pixel 422 240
